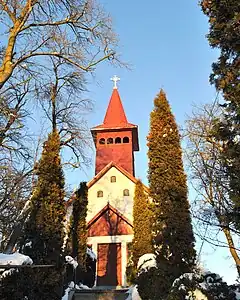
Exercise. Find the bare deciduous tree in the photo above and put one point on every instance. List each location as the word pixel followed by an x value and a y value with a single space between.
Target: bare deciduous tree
pixel 47 50
pixel 77 31
pixel 15 188
pixel 212 205
pixel 78 34
pixel 61 97
pixel 13 114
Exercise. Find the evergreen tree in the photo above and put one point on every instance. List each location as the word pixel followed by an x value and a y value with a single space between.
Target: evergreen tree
pixel 224 32
pixel 43 238
pixel 142 240
pixel 79 225
pixel 172 229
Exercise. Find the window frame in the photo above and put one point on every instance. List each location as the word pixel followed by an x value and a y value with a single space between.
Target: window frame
pixel 99 194
pixel 113 179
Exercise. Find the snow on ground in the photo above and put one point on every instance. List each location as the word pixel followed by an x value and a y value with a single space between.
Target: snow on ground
pixel 73 286
pixel 65 297
pixel 146 262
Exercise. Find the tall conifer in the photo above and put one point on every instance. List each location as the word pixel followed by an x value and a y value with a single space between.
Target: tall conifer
pixel 142 241
pixel 79 225
pixel 172 229
pixel 43 238
pixel 224 32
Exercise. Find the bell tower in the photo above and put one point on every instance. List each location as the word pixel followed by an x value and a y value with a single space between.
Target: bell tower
pixel 115 139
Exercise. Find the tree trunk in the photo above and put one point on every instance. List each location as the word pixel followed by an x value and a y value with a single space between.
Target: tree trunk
pixel 232 248
pixel 7 67
pixel 17 229
pixel 53 99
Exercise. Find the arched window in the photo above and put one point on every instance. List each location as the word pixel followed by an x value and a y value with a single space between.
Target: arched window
pixel 102 141
pixel 113 179
pixel 110 141
pixel 126 140
pixel 118 140
pixel 126 192
pixel 100 194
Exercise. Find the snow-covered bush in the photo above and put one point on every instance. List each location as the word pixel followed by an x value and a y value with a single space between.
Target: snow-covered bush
pixel 146 262
pixel 147 283
pixel 186 287
pixel 90 273
pixel 13 284
pixel 75 273
pixel 206 286
pixel 189 286
pixel 215 288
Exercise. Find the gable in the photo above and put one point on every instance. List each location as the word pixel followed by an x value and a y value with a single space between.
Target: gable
pixel 105 180
pixel 106 169
pixel 112 193
pixel 109 222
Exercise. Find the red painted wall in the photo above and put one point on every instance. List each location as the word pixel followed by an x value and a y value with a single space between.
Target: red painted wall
pixel 121 154
pixel 109 224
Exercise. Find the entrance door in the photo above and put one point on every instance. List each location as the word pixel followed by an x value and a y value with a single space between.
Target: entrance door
pixel 109 265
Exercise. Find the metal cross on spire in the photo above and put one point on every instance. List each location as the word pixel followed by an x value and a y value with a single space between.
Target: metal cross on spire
pixel 115 79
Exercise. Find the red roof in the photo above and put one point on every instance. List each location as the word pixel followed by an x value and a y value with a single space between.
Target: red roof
pixel 115 115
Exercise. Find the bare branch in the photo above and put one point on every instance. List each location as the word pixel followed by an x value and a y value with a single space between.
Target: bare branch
pixel 212 205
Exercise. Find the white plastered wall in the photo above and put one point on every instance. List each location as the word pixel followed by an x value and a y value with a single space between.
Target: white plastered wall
pixel 112 194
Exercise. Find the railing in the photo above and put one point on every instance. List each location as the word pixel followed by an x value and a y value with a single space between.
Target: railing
pixel 25 266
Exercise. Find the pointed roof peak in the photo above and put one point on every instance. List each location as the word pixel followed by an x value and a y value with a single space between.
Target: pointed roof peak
pixel 115 117
pixel 115 114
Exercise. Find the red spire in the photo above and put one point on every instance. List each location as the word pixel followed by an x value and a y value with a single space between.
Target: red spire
pixel 115 115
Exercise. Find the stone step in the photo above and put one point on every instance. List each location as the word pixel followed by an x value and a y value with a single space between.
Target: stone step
pixel 98 294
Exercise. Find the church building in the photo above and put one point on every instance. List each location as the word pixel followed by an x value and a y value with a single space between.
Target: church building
pixel 111 192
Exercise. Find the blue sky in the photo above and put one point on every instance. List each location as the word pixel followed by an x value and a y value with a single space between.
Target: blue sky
pixel 165 43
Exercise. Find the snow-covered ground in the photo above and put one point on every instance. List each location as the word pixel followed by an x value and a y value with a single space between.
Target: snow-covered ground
pixel 73 286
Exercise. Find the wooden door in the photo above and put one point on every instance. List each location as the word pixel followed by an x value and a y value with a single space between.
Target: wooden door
pixel 109 265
